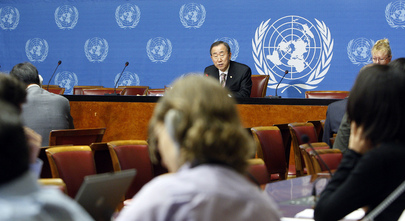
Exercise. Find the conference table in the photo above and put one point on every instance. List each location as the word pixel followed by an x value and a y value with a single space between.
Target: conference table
pixel 127 117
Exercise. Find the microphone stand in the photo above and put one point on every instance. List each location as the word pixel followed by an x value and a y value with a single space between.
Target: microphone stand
pixel 59 62
pixel 305 139
pixel 116 83
pixel 276 96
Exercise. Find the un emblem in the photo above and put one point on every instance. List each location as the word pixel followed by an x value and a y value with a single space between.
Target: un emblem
pixel 192 15
pixel 233 44
pixel 395 14
pixel 66 17
pixel 293 43
pixel 9 18
pixel 36 49
pixel 127 79
pixel 96 49
pixel 127 15
pixel 359 51
pixel 66 80
pixel 159 49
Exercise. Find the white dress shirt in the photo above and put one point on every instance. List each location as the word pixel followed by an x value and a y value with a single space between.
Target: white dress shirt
pixel 206 192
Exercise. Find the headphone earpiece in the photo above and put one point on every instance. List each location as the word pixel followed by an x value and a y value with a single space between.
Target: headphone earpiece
pixel 172 118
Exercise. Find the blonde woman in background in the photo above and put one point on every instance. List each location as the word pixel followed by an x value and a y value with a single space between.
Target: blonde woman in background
pixel 381 52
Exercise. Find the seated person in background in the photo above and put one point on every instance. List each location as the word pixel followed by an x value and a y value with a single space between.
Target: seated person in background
pixel 43 111
pixel 197 131
pixel 373 165
pixel 21 198
pixel 237 76
pixel 13 92
pixel 334 116
pixel 381 52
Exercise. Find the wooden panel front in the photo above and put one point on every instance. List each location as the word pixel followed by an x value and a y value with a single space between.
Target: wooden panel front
pixel 129 120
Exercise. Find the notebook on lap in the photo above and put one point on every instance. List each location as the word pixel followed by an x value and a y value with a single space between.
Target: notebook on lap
pixel 100 194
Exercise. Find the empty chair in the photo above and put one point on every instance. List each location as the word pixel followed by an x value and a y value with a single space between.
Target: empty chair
pixel 318 124
pixel 305 152
pixel 78 90
pixel 76 136
pixel 326 94
pixel 71 164
pixel 331 157
pixel 270 148
pixel 100 91
pixel 156 92
pixel 297 131
pixel 257 172
pixel 134 90
pixel 54 89
pixel 259 85
pixel 132 154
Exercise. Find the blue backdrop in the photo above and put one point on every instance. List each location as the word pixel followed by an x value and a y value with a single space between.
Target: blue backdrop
pixel 322 43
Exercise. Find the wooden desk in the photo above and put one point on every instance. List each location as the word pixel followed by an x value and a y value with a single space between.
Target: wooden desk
pixel 295 195
pixel 127 117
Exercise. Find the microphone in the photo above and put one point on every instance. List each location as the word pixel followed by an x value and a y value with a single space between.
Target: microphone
pixel 285 73
pixel 116 83
pixel 305 139
pixel 59 62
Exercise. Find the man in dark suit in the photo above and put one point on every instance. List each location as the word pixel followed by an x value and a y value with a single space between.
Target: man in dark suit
pixel 43 111
pixel 235 76
pixel 334 116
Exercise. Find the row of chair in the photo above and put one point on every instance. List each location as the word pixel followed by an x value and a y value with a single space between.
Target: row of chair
pixel 273 144
pixel 72 163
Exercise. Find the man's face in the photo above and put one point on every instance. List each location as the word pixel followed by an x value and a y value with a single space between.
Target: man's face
pixel 220 57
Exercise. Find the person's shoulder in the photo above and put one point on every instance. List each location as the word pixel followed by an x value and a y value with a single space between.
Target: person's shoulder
pixel 239 65
pixel 210 68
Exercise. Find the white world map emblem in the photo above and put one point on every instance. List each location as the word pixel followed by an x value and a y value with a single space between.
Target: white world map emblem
pixel 67 80
pixel 36 49
pixel 96 49
pixel 192 15
pixel 233 44
pixel 359 51
pixel 293 43
pixel 66 17
pixel 395 14
pixel 9 18
pixel 127 79
pixel 159 49
pixel 127 15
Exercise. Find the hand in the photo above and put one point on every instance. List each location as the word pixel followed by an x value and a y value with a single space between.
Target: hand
pixel 34 142
pixel 357 141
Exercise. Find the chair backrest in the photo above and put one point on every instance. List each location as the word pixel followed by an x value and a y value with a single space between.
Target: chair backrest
pixel 134 90
pixel 305 152
pixel 326 94
pixel 132 154
pixel 53 183
pixel 331 157
pixel 76 136
pixel 100 91
pixel 78 90
pixel 257 172
pixel 270 148
pixel 319 125
pixel 71 164
pixel 156 92
pixel 297 130
pixel 54 89
pixel 259 85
